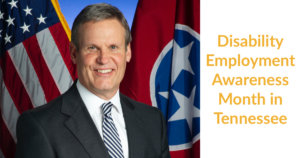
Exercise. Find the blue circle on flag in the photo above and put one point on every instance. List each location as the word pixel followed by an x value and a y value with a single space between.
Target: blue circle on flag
pixel 176 88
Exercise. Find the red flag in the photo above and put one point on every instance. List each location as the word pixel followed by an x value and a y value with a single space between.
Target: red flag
pixel 165 68
pixel 35 65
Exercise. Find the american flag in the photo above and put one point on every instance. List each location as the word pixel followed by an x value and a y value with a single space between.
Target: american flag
pixel 35 65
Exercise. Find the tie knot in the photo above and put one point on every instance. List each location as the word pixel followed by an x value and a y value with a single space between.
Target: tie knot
pixel 106 108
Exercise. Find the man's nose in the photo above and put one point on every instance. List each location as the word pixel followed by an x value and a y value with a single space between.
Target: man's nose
pixel 103 56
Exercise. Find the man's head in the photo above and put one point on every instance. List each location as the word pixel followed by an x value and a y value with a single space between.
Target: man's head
pixel 100 48
pixel 99 12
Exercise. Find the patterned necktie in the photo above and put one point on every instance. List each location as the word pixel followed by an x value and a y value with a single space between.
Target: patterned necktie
pixel 111 137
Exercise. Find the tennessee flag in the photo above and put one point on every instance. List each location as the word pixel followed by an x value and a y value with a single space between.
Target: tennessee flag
pixel 35 65
pixel 165 68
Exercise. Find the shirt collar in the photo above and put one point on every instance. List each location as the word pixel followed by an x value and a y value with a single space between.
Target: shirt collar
pixel 90 99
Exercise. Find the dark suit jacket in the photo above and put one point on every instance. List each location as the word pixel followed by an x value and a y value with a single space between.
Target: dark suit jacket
pixel 63 128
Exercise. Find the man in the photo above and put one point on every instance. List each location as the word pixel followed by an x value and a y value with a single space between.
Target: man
pixel 92 119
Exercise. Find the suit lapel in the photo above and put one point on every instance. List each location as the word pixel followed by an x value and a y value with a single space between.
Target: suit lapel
pixel 134 129
pixel 81 124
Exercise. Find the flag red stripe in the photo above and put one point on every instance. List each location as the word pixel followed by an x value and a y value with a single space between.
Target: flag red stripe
pixel 188 13
pixel 196 149
pixel 14 84
pixel 152 21
pixel 38 62
pixel 7 144
pixel 193 152
pixel 61 39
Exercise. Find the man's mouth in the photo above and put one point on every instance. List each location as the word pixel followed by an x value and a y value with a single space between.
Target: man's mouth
pixel 105 71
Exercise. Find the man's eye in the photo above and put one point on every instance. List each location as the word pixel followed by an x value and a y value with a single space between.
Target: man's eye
pixel 113 47
pixel 91 47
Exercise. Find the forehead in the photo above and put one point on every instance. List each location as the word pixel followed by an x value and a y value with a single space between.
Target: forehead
pixel 107 30
pixel 102 25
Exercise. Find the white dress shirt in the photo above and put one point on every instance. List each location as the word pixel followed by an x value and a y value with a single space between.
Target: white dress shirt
pixel 93 104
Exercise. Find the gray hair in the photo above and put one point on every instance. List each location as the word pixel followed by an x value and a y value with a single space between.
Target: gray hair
pixel 98 12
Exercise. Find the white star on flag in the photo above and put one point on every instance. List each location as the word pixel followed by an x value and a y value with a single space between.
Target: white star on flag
pixel 181 60
pixel 0 33
pixel 10 21
pixel 164 94
pixel 13 4
pixel 187 109
pixel 41 19
pixel 25 28
pixel 7 39
pixel 27 11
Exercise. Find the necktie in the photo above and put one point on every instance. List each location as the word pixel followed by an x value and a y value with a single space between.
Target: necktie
pixel 111 137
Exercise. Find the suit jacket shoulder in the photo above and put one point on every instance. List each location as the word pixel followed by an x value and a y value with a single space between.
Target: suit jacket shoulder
pixel 61 128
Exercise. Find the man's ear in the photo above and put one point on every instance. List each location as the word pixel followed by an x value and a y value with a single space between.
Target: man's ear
pixel 73 52
pixel 128 53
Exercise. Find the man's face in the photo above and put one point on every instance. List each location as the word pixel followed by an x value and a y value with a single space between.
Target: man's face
pixel 101 57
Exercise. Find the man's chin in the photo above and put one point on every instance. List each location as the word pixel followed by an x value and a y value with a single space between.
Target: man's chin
pixel 105 92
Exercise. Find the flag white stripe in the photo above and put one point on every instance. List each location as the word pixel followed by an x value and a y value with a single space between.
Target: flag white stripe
pixel 1 154
pixel 11 131
pixel 54 60
pixel 184 146
pixel 10 113
pixel 27 74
